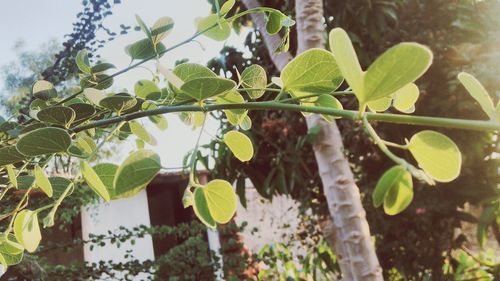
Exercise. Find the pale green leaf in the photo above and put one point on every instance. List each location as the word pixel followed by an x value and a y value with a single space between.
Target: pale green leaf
pixel 239 144
pixel 405 98
pixel 437 155
pixel 221 200
pixel 226 7
pixel 395 68
pixel 140 131
pixel 93 180
pixel 380 105
pixel 312 72
pixel 42 181
pixel 255 77
pixel 478 92
pixel 213 27
pixel 94 95
pixel 161 28
pixel 106 172
pixel 200 208
pixel 346 59
pixel 43 141
pixel 82 61
pixel 147 90
pixel 27 230
pixel 394 189
pixel 330 102
pixel 144 49
pixel 143 26
pixel 12 175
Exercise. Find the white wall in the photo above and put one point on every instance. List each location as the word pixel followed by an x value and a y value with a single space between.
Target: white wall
pixel 128 212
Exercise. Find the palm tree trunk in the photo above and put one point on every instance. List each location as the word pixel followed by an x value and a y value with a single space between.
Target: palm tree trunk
pixel 347 232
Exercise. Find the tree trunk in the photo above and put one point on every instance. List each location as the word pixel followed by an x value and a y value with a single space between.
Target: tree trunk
pixel 347 232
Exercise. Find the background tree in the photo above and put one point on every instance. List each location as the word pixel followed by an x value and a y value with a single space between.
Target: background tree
pixel 426 229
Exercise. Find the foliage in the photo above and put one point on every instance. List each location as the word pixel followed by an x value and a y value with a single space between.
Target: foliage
pixel 51 129
pixel 460 35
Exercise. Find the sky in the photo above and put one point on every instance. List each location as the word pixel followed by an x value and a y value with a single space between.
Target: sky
pixel 35 22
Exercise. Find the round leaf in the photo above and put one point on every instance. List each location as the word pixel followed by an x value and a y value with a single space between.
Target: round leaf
pixel 200 208
pixel 147 89
pixel 118 103
pixel 393 189
pixel 136 172
pixel 239 144
pixel 330 102
pixel 395 68
pixel 312 72
pixel 43 141
pixel 405 98
pixel 58 115
pixel 437 155
pixel 254 76
pixel 44 90
pixel 144 49
pixel 214 28
pixel 10 155
pixel 220 200
pixel 203 88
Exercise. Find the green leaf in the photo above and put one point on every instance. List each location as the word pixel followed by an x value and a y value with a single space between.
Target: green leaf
pixel 254 76
pixel 107 172
pixel 221 200
pixel 82 111
pixel 246 123
pixel 143 26
pixel 97 81
pixel 219 28
pixel 42 181
pixel 200 208
pixel 395 68
pixel 330 102
pixel 43 141
pixel 57 115
pixel 399 197
pixel 187 72
pixel 10 155
pixel 239 144
pixel 44 90
pixel 93 180
pixel 478 92
pixel 11 252
pixel 27 230
pixel 203 88
pixel 12 175
pixel 273 22
pixel 437 155
pixel 381 104
pixel 161 28
pixel 82 61
pixel 118 103
pixel 25 182
pixel 59 185
pixel 101 67
pixel 346 59
pixel 144 49
pixel 226 7
pixel 393 190
pixel 312 72
pixel 147 90
pixel 136 172
pixel 139 131
pixel 405 98
pixel 159 120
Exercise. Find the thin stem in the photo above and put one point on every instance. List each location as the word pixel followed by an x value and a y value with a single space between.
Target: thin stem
pixel 381 144
pixel 396 145
pixel 315 95
pixel 259 89
pixel 348 114
pixel 192 180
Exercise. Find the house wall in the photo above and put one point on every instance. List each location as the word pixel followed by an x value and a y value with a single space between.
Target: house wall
pixel 104 217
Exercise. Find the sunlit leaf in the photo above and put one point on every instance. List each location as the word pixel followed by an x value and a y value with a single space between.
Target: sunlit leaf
pixel 239 144
pixel 161 28
pixel 42 181
pixel 255 77
pixel 144 49
pixel 330 102
pixel 82 61
pixel 405 98
pixel 203 88
pixel 213 27
pixel 139 131
pixel 215 202
pixel 312 72
pixel 27 230
pixel 478 92
pixel 437 155
pixel 147 89
pixel 394 189
pixel 93 180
